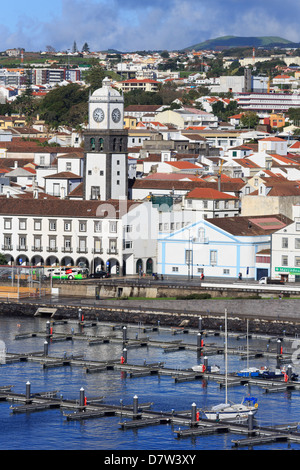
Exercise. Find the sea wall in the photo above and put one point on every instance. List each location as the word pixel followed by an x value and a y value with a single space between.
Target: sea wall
pixel 283 318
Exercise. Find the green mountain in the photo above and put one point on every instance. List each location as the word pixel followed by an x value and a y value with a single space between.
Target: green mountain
pixel 226 42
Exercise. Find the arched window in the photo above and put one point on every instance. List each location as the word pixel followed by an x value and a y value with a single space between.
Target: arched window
pixel 139 266
pixel 101 143
pixel 92 143
pixel 121 144
pixel 114 144
pixel 149 266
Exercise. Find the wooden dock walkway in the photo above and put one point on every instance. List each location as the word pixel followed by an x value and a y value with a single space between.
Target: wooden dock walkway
pixel 138 415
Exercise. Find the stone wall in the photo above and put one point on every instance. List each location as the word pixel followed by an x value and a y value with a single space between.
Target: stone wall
pixel 274 317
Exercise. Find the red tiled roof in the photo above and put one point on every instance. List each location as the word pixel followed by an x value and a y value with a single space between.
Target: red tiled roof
pixel 208 193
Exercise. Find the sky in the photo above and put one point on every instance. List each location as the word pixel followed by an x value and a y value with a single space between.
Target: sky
pixel 131 25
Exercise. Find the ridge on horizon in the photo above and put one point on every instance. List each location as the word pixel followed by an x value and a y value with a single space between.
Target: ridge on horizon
pixel 226 42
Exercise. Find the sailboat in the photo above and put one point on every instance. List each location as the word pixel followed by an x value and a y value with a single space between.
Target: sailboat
pixel 248 371
pixel 230 410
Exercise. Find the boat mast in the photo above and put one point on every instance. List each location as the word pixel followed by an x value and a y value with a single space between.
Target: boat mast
pixel 247 345
pixel 226 356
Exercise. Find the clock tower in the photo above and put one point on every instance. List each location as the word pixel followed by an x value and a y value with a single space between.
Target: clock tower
pixel 105 146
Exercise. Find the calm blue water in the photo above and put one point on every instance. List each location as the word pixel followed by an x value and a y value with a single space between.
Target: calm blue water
pixel 49 430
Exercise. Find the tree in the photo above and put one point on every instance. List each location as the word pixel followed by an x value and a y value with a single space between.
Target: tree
pixel 26 104
pixel 2 259
pixel 249 119
pixel 74 48
pixel 94 77
pixel 85 47
pixel 65 105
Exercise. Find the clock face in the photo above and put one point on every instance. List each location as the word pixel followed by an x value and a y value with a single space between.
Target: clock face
pixel 98 115
pixel 116 115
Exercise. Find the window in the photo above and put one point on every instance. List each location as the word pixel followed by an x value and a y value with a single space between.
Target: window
pixel 216 204
pixel 297 243
pixel 37 243
pixel 188 257
pixel 37 224
pixel 128 228
pixel 95 192
pixel 82 226
pixel 52 243
pixel 213 257
pixel 226 204
pixel 82 245
pixel 7 224
pixel 226 271
pixel 22 242
pixel 22 224
pixel 113 246
pixel 52 225
pixel 68 166
pixel 298 226
pixel 284 260
pixel 98 226
pixel 175 269
pixel 127 244
pixel 7 241
pixel 297 261
pixel 97 245
pixel 67 225
pixel 285 243
pixel 56 189
pixel 113 226
pixel 68 244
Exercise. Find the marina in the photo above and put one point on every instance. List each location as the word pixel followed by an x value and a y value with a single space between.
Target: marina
pixel 75 346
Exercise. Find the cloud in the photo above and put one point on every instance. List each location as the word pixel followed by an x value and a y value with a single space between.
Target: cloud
pixel 129 25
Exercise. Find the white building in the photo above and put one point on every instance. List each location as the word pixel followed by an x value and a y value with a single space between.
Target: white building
pixel 219 247
pixel 285 253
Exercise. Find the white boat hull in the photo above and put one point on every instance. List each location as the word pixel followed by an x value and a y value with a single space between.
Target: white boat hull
pixel 230 412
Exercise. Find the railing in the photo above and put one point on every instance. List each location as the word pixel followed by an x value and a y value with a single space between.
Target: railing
pixel 36 248
pixel 112 251
pixel 99 251
pixel 7 247
pixel 52 248
pixel 22 248
pixel 82 250
pixel 67 249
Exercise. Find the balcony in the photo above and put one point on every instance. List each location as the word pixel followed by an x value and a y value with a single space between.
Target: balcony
pixel 7 247
pixel 67 249
pixel 22 248
pixel 98 251
pixel 36 248
pixel 82 250
pixel 112 251
pixel 201 240
pixel 52 249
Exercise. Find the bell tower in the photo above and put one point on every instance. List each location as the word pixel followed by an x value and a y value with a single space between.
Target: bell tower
pixel 105 146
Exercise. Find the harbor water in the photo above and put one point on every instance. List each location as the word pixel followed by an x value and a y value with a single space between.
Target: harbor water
pixel 49 429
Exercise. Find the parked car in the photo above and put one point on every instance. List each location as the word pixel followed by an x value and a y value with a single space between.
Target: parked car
pixel 99 274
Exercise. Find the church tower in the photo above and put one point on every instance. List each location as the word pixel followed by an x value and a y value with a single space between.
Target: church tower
pixel 105 146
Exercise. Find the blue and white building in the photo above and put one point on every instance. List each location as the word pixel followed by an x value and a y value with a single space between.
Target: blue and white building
pixel 218 247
